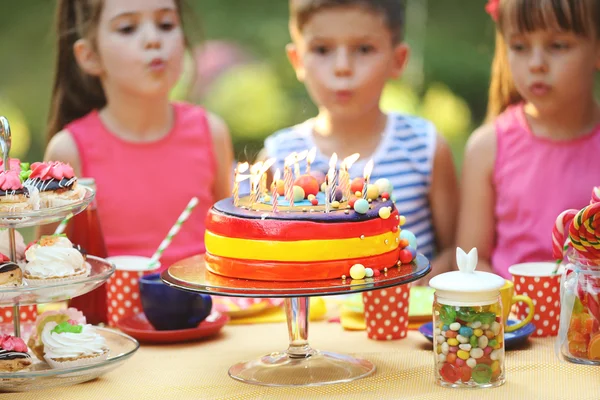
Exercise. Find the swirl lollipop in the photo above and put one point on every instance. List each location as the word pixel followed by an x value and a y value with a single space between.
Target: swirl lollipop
pixel 584 232
pixel 559 233
pixel 595 195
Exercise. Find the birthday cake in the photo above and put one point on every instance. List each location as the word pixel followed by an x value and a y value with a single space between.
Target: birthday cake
pixel 325 234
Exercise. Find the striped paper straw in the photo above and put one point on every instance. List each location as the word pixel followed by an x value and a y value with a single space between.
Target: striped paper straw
pixel 63 224
pixel 172 232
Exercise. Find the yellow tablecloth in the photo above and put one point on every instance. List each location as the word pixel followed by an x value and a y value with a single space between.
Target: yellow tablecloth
pixel 198 370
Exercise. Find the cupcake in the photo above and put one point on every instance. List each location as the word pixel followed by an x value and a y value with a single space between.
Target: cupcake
pixel 13 354
pixel 10 273
pixel 15 196
pixel 35 340
pixel 69 344
pixel 54 259
pixel 56 183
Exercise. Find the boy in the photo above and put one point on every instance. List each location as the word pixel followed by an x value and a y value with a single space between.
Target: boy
pixel 344 51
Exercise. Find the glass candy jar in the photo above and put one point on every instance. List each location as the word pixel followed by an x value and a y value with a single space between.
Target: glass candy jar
pixel 468 340
pixel 579 333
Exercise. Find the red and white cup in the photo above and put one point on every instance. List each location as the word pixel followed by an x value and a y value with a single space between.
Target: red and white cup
pixel 27 314
pixel 541 282
pixel 122 288
pixel 386 313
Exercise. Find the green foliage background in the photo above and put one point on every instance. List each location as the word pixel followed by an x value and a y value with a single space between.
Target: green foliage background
pixel 456 47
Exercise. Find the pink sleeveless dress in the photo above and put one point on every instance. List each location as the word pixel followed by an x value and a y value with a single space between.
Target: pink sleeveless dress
pixel 535 179
pixel 142 188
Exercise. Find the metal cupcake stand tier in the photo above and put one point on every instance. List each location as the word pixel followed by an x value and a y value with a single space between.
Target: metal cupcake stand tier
pixel 39 375
pixel 300 364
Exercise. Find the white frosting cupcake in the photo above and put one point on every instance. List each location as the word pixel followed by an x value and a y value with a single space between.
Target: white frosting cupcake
pixel 72 345
pixel 54 258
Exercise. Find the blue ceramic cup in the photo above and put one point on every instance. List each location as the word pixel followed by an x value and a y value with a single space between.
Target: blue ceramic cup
pixel 167 308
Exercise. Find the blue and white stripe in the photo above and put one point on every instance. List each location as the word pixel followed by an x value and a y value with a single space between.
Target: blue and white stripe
pixel 404 156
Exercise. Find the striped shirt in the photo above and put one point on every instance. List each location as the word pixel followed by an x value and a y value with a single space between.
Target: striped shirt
pixel 404 156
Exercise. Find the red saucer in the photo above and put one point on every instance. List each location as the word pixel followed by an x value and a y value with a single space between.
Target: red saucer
pixel 138 326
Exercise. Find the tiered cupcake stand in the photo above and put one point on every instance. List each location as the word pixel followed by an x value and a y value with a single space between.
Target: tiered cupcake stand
pixel 299 365
pixel 39 375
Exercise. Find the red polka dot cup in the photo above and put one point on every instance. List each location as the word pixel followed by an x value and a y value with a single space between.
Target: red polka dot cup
pixel 28 314
pixel 122 288
pixel 386 313
pixel 540 282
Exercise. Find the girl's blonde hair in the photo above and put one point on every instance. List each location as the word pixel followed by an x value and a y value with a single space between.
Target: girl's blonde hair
pixel 581 17
pixel 75 93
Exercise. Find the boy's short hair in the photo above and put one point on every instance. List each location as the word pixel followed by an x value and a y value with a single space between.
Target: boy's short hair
pixel 392 11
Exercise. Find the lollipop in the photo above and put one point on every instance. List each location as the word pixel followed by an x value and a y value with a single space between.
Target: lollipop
pixel 595 195
pixel 584 232
pixel 558 233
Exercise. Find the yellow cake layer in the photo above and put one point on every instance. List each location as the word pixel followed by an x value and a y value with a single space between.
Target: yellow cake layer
pixel 301 250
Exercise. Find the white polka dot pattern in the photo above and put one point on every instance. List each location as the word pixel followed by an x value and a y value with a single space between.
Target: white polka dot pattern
pixel 545 294
pixel 27 314
pixel 386 313
pixel 123 295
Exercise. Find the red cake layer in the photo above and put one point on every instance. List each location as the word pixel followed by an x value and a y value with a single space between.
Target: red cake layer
pixel 289 271
pixel 289 230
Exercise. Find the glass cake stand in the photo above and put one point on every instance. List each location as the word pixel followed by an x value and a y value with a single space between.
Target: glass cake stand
pixel 299 365
pixel 41 376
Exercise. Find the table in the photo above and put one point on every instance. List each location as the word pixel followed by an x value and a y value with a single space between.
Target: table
pixel 198 370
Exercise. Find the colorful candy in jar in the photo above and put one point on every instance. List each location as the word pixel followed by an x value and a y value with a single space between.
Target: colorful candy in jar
pixel 581 343
pixel 469 333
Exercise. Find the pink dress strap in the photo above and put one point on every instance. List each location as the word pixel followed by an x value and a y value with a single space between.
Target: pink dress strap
pixel 535 179
pixel 143 187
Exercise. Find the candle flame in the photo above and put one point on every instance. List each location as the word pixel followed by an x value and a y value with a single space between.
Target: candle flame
pixel 350 160
pixel 242 177
pixel 267 164
pixel 243 167
pixel 276 176
pixel 255 168
pixel 302 155
pixel 310 157
pixel 290 159
pixel 333 161
pixel 368 169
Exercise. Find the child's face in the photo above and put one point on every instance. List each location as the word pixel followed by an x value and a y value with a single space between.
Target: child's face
pixel 344 56
pixel 552 69
pixel 140 46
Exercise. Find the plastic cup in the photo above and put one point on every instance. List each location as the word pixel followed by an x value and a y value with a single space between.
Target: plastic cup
pixel 540 282
pixel 386 313
pixel 122 288
pixel 28 314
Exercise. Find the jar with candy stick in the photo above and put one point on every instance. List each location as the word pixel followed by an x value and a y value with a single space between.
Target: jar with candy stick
pixel 468 342
pixel 578 337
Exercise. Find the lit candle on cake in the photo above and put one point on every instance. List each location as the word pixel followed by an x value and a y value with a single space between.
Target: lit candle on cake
pixel 345 174
pixel 310 158
pixel 255 182
pixel 332 176
pixel 367 174
pixel 240 169
pixel 299 157
pixel 263 175
pixel 275 195
pixel 288 181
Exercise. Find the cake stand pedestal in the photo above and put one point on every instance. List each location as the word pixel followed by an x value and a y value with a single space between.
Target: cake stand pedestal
pixel 300 364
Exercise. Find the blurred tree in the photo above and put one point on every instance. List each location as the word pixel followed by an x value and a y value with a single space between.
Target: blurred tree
pixel 455 48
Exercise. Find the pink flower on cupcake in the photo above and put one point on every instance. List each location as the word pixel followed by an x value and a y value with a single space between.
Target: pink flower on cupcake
pixel 10 180
pixel 11 343
pixel 51 170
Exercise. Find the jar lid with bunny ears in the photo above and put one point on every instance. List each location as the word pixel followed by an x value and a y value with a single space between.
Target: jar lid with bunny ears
pixel 466 286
